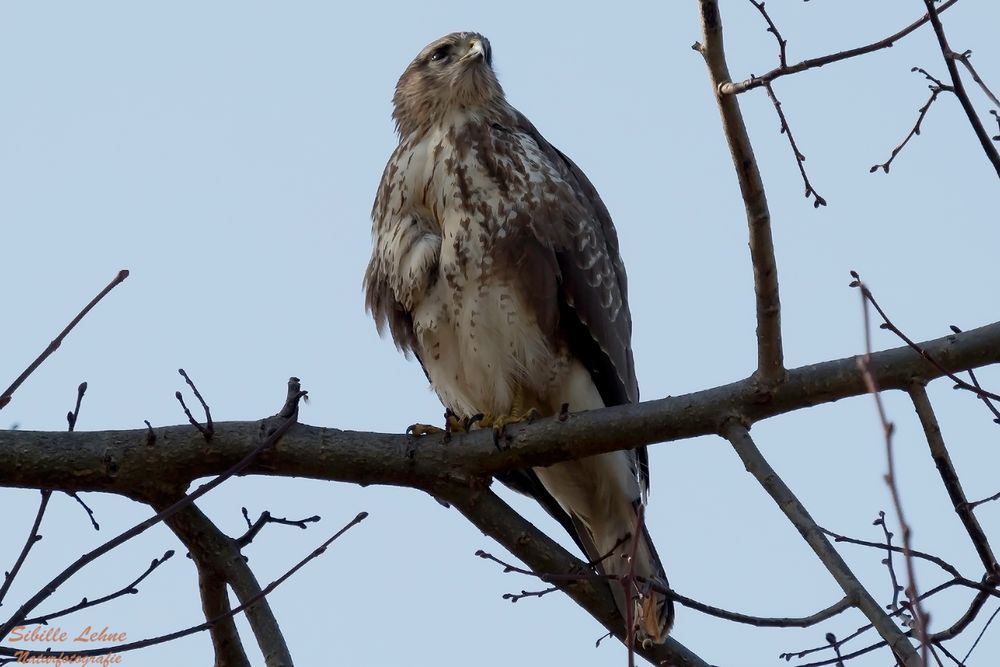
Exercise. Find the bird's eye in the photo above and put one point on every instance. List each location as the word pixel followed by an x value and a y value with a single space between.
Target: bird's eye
pixel 441 52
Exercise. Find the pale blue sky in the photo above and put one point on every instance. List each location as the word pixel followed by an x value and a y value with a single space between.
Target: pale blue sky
pixel 227 153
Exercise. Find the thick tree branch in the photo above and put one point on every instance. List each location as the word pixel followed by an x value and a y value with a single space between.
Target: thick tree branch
pixel 219 559
pixel 770 358
pixel 758 466
pixel 226 643
pixel 119 461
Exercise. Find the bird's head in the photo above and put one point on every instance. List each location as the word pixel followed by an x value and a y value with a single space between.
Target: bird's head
pixel 452 73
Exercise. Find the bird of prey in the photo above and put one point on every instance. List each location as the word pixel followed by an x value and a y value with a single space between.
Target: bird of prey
pixel 496 263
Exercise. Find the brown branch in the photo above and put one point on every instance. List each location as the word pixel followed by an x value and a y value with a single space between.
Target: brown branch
pixel 763 621
pixel 74 414
pixel 265 518
pixel 979 388
pixel 812 63
pixel 132 646
pixel 57 341
pixel 965 59
pixel 896 588
pixel 977 503
pixel 772 483
pixel 940 562
pixel 800 159
pixel 936 89
pixel 209 428
pixel 219 561
pixel 758 621
pixel 945 467
pixel 981 633
pixel 118 461
pixel 86 603
pixel 773 29
pixel 33 537
pixel 227 647
pixel 770 358
pixel 18 617
pixel 542 554
pixel 864 363
pixel 959 88
pixel 888 325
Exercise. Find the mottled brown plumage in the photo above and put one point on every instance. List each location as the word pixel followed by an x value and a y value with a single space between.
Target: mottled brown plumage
pixel 496 263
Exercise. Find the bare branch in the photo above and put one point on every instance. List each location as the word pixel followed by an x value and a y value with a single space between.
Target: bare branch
pixel 936 89
pixel 90 461
pixel 800 159
pixel 770 357
pixel 86 508
pixel 888 325
pixel 864 363
pixel 758 466
pixel 132 646
pixel 219 561
pixel 959 501
pixel 981 633
pixel 896 588
pixel 265 518
pixel 33 537
pixel 57 341
pixel 18 617
pixel 812 63
pixel 959 88
pixel 965 59
pixel 208 429
pixel 86 603
pixel 74 414
pixel 542 554
pixel 940 562
pixel 773 29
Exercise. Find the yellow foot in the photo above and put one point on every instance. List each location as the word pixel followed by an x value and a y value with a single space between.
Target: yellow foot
pixel 419 430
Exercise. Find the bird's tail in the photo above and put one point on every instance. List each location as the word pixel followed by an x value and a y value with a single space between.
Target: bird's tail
pixel 638 571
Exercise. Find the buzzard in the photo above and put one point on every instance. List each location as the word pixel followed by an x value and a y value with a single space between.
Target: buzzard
pixel 496 263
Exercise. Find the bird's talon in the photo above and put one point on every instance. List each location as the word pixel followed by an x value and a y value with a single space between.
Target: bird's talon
pixel 419 430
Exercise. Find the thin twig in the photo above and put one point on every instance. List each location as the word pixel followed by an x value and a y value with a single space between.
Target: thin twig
pixel 975 383
pixel 965 59
pixel 773 29
pixel 936 88
pixel 209 428
pixel 959 88
pixel 57 341
pixel 800 159
pixel 74 414
pixel 981 633
pixel 90 513
pixel 33 537
pixel 995 496
pixel 730 88
pixel 940 562
pixel 864 363
pixel 85 603
pixel 264 519
pixel 888 325
pixel 887 561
